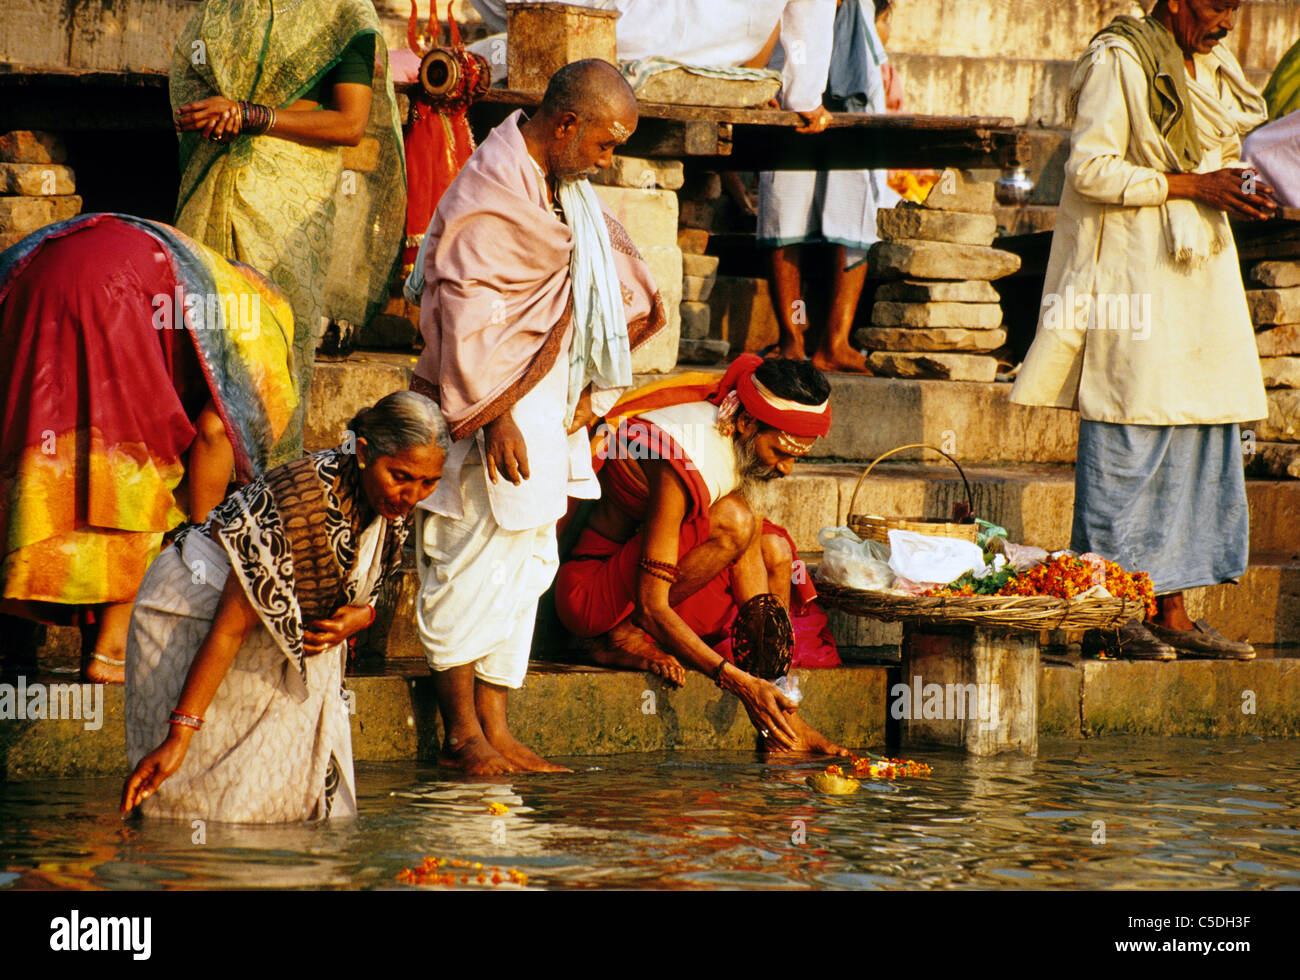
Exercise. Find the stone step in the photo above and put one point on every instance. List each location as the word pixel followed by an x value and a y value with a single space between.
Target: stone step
pixel 137 35
pixel 1263 609
pixel 566 711
pixel 872 415
pixel 972 420
pixel 1033 502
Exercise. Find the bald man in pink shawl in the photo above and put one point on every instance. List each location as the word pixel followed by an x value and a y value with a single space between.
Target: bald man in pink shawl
pixel 534 298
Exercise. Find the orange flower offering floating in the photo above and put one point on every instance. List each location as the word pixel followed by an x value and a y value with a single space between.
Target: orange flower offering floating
pixel 432 871
pixel 833 782
pixel 889 768
pixel 496 809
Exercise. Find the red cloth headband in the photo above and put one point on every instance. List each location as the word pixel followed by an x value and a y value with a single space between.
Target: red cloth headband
pixel 780 413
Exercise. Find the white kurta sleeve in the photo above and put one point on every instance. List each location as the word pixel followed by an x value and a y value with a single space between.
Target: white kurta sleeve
pixel 1098 167
pixel 807 33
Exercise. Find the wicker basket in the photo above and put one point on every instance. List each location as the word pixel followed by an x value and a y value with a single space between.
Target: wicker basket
pixel 1025 613
pixel 878 528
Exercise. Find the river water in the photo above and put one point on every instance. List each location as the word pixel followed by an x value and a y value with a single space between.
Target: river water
pixel 1116 812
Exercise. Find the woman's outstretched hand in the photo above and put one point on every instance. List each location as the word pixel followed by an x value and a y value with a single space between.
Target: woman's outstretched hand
pixel 154 768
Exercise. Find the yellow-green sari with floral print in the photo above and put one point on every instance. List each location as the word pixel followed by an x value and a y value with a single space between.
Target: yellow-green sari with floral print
pixel 328 236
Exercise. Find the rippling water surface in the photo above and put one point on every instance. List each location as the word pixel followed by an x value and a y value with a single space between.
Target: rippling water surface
pixel 1107 813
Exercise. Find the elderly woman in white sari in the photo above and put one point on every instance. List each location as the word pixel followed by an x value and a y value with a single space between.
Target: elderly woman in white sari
pixel 234 673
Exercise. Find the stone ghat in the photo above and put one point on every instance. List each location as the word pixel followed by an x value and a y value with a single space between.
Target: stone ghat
pixel 592 711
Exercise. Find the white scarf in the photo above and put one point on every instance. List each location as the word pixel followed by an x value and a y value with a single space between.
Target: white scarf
pixel 600 353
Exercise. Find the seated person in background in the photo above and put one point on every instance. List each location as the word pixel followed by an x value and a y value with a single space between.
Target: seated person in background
pixel 673 547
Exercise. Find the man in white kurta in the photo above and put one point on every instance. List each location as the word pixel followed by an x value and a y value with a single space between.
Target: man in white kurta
pixel 1144 328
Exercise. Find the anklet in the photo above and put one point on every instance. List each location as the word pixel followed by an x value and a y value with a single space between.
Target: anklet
pixel 108 660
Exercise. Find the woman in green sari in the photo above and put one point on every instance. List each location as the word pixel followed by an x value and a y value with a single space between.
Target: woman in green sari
pixel 1282 93
pixel 266 93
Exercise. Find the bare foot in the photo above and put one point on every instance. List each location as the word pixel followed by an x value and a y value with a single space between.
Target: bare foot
pixel 793 351
pixel 630 648
pixel 809 741
pixel 519 755
pixel 475 756
pixel 847 361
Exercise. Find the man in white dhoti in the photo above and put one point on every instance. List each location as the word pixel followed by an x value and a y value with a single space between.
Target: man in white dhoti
pixel 1144 327
pixel 533 300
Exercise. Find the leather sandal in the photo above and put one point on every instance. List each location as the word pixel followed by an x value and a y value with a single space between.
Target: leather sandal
pixel 1132 641
pixel 1203 640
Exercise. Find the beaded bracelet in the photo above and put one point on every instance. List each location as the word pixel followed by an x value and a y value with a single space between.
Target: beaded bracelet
pixel 652 568
pixel 186 721
pixel 667 567
pixel 717 671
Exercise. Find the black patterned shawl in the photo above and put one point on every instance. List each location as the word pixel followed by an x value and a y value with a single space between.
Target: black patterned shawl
pixel 292 539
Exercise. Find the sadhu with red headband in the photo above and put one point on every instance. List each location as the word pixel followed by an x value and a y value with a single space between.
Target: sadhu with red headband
pixel 665 562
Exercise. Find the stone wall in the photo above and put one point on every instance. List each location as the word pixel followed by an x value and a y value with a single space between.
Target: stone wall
pixel 956 57
pixel 37 188
pixel 137 35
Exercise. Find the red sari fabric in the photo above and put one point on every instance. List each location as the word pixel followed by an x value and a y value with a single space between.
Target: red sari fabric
pixel 105 379
pixel 438 144
pixel 98 412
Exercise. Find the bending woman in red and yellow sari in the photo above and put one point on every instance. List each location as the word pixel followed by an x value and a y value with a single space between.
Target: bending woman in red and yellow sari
pixel 135 357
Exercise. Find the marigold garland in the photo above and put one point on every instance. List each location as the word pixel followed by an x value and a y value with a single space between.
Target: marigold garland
pixel 1067 576
pixel 430 872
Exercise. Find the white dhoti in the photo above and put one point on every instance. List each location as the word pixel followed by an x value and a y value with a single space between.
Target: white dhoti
pixel 479 585
pixel 797 207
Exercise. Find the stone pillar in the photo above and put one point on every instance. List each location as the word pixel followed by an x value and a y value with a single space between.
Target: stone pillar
pixel 1273 296
pixel 968 687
